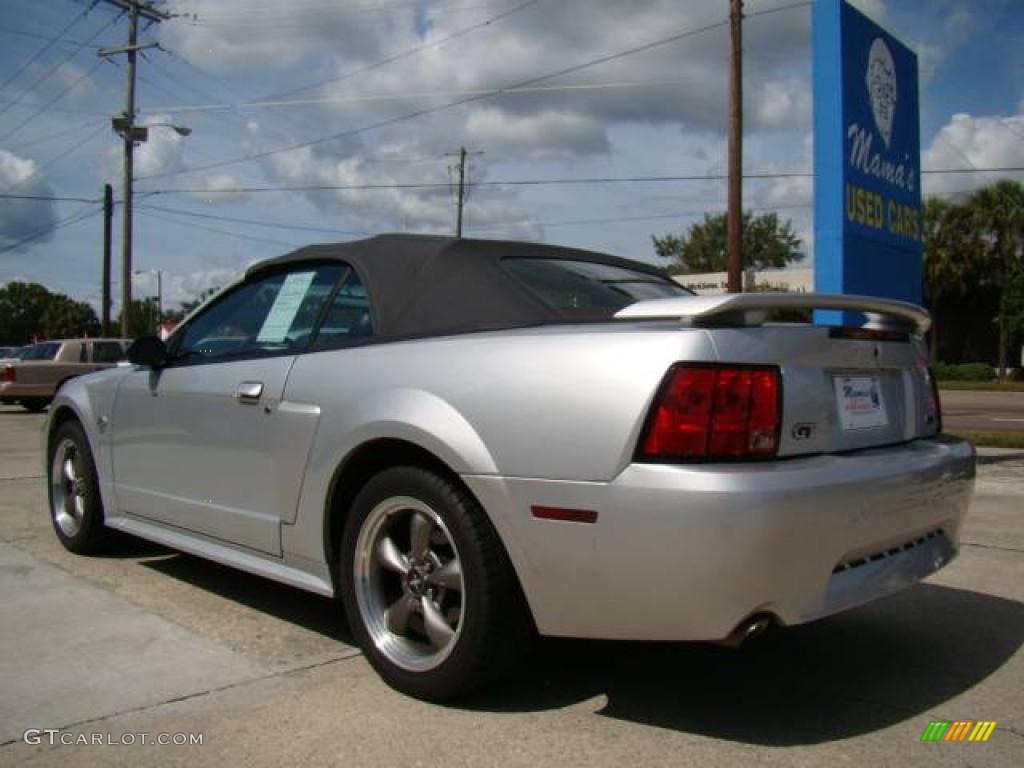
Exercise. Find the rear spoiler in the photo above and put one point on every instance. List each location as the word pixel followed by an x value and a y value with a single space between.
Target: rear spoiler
pixel 746 309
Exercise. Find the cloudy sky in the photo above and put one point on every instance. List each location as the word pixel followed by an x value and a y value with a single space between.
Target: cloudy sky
pixel 361 105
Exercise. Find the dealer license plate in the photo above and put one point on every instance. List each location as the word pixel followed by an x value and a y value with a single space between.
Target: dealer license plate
pixel 860 402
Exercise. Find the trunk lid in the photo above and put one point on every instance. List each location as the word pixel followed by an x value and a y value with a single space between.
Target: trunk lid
pixel 843 389
pixel 839 394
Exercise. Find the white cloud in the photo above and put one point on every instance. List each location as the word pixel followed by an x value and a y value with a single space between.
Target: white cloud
pixel 189 286
pixel 397 206
pixel 20 219
pixel 873 9
pixel 162 152
pixel 966 141
pixel 547 133
pixel 783 104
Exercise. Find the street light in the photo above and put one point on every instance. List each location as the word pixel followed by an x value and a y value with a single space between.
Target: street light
pixel 159 294
pixel 181 130
pixel 140 133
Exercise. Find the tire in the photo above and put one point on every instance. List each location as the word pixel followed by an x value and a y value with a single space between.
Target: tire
pixel 35 405
pixel 76 508
pixel 429 592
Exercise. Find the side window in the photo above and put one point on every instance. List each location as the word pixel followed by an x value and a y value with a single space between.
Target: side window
pixel 45 351
pixel 348 317
pixel 272 314
pixel 107 352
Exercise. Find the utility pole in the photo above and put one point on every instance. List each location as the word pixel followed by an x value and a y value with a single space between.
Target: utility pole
pixel 159 300
pixel 124 124
pixel 463 156
pixel 462 190
pixel 734 217
pixel 108 216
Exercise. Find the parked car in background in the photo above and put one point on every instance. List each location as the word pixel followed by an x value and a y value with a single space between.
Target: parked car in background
pixel 466 441
pixel 7 352
pixel 38 372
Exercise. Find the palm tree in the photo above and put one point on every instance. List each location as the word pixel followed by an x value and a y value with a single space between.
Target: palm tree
pixel 953 255
pixel 998 213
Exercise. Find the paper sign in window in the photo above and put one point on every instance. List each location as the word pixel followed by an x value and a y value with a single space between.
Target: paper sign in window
pixel 286 307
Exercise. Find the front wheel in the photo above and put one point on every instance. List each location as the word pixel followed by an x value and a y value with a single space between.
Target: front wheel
pixel 76 508
pixel 428 589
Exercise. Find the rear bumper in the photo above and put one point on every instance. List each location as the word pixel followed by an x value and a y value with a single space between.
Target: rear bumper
pixel 13 391
pixel 688 552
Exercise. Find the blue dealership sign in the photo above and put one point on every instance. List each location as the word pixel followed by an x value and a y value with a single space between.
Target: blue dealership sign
pixel 867 158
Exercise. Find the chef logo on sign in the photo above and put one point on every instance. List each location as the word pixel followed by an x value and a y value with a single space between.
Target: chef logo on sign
pixel 881 82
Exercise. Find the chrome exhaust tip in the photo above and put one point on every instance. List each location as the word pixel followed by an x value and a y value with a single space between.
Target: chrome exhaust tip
pixel 747 630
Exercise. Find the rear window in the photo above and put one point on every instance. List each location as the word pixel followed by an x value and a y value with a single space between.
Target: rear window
pixel 46 351
pixel 588 288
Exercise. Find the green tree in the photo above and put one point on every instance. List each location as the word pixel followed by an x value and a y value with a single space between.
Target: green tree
pixel 953 263
pixel 766 243
pixel 21 311
pixel 66 318
pixel 142 318
pixel 998 214
pixel 29 310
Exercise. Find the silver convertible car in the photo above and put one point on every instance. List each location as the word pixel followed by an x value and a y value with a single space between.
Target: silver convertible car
pixel 471 442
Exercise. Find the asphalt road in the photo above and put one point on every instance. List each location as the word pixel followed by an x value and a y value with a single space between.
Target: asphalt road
pixel 983 411
pixel 144 640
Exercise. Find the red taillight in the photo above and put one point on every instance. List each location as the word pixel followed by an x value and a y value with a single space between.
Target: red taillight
pixel 708 412
pixel 7 373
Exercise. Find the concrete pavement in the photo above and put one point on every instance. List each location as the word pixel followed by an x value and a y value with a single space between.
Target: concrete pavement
pixel 147 640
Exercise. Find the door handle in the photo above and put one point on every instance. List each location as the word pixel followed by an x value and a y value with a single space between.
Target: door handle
pixel 249 391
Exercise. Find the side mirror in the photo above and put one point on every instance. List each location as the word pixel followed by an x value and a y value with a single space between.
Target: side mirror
pixel 149 351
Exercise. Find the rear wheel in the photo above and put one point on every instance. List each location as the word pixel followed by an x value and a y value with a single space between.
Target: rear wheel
pixel 76 509
pixel 428 589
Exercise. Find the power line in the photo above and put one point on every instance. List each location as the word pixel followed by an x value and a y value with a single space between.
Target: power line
pixel 50 199
pixel 51 70
pixel 623 219
pixel 66 110
pixel 75 218
pixel 290 16
pixel 78 144
pixel 448 105
pixel 193 225
pixel 541 182
pixel 1004 169
pixel 53 101
pixel 254 222
pixel 38 36
pixel 51 42
pixel 474 98
pixel 186 108
pixel 408 52
pixel 50 137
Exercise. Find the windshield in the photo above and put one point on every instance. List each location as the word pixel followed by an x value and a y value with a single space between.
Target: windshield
pixel 589 288
pixel 45 351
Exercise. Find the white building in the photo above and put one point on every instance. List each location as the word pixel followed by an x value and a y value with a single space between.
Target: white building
pixel 795 280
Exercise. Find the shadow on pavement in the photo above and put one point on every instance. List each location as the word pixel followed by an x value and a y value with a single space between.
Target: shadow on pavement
pixel 304 609
pixel 850 674
pixel 840 677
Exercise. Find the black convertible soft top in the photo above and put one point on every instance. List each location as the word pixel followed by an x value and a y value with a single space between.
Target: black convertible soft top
pixel 428 285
